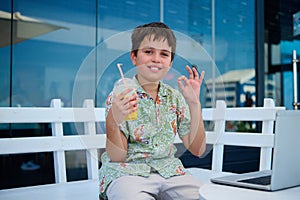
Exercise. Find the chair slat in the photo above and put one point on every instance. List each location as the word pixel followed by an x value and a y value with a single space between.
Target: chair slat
pixel 46 115
pixel 50 143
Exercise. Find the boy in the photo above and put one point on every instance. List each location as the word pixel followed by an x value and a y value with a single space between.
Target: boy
pixel 139 162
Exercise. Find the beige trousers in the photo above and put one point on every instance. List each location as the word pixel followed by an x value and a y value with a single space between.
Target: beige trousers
pixel 154 187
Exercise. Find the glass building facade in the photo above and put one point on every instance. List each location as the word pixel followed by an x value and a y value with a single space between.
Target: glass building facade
pixel 69 50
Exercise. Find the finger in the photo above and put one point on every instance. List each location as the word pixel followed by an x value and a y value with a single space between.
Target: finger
pixel 133 108
pixel 125 92
pixel 190 71
pixel 202 76
pixel 195 72
pixel 127 106
pixel 179 81
pixel 133 102
pixel 128 102
pixel 130 107
pixel 185 80
pixel 133 97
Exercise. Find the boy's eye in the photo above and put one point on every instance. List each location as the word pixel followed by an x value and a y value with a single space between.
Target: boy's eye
pixel 165 54
pixel 162 53
pixel 148 51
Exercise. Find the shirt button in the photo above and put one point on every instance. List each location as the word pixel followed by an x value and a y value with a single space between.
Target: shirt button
pixel 156 145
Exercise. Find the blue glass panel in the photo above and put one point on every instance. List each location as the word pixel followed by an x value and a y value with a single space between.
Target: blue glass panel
pixel 46 62
pixel 116 20
pixel 235 36
pixel 232 44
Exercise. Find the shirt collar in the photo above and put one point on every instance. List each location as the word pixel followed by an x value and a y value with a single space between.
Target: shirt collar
pixel 162 91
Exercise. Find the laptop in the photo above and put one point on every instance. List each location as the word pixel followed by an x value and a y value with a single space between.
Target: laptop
pixel 285 171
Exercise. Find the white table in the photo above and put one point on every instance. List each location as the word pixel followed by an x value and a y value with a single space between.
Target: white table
pixel 78 190
pixel 211 191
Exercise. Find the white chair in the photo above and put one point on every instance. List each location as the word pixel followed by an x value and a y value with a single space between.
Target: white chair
pixel 219 136
pixel 59 144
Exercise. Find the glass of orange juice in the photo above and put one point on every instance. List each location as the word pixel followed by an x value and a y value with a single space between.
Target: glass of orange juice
pixel 120 86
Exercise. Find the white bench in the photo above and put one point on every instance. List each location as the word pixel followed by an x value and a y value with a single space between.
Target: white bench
pixel 59 143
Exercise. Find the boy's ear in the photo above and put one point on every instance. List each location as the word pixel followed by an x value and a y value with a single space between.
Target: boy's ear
pixel 133 58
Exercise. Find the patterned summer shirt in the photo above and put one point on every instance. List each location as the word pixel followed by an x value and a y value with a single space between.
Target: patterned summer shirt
pixel 150 137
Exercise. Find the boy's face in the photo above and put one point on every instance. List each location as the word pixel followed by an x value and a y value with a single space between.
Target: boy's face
pixel 153 60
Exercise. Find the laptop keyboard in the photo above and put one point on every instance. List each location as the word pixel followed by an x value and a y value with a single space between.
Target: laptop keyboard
pixel 264 180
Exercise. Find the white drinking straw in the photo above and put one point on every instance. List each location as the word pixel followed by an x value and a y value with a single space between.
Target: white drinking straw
pixel 121 72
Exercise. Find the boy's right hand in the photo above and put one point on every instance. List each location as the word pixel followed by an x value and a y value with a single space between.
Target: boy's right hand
pixel 123 105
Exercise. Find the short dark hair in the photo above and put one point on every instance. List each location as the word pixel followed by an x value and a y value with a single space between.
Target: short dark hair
pixel 158 30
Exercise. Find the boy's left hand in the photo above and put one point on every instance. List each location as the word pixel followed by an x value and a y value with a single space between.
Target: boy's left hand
pixel 191 87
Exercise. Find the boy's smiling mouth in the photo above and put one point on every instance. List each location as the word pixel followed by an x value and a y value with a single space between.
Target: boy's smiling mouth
pixel 154 68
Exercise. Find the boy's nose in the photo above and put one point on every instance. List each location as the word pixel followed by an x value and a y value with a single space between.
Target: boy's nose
pixel 155 57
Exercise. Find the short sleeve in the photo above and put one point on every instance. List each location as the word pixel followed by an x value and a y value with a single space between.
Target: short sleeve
pixel 123 125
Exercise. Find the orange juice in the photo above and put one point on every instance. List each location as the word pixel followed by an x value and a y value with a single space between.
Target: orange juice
pixel 120 86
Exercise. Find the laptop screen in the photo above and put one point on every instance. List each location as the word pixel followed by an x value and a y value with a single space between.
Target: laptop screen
pixel 286 162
